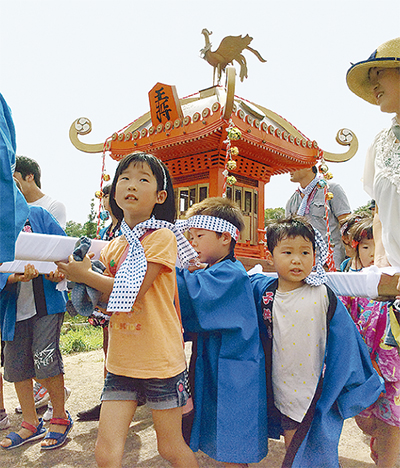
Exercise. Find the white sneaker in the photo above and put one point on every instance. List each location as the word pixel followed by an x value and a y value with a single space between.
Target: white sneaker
pixel 5 422
pixel 41 396
pixel 49 412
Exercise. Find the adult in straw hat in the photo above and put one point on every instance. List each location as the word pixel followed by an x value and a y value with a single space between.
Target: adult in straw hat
pixel 377 81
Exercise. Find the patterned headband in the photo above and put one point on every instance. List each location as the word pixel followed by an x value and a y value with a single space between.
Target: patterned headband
pixel 164 176
pixel 210 223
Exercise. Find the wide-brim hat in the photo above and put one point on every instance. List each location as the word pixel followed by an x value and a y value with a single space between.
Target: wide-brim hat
pixel 386 55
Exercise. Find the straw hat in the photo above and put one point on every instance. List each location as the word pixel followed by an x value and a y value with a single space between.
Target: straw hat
pixel 386 55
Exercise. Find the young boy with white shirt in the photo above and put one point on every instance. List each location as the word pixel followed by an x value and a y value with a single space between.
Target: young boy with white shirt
pixel 318 367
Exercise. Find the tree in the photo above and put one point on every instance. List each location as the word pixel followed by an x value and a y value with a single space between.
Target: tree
pixel 89 228
pixel 273 213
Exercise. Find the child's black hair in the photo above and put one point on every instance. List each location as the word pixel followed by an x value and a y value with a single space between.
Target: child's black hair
pixel 164 211
pixel 26 166
pixel 292 226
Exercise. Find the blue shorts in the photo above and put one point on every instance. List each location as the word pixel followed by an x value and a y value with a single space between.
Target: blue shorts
pixel 159 394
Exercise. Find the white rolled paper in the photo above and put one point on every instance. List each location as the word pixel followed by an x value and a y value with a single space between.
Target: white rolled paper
pixel 42 250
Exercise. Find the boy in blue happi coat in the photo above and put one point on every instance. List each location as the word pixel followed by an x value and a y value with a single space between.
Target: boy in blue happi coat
pixel 219 313
pixel 318 367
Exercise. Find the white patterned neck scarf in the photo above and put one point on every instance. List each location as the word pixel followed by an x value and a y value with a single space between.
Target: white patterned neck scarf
pixel 131 273
pixel 210 223
pixel 318 275
pixel 306 192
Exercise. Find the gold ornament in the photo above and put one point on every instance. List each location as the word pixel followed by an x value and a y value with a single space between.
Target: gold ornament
pixel 323 168
pixel 234 151
pixel 106 177
pixel 329 195
pixel 328 176
pixel 231 164
pixel 98 194
pixel 234 133
pixel 231 180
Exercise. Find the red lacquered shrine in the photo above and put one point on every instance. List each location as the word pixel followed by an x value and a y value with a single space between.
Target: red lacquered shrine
pixel 190 136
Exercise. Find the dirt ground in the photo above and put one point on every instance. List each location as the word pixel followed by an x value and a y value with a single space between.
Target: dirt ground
pixel 84 375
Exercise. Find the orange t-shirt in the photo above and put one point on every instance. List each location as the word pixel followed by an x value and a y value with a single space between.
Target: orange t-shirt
pixel 147 342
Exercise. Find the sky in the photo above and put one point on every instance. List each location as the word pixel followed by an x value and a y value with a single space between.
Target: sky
pixel 61 60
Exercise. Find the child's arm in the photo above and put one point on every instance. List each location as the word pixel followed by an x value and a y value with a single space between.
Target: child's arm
pixel 153 269
pixel 81 272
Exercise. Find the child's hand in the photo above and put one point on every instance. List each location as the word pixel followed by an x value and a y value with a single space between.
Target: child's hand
pixel 73 270
pixel 55 276
pixel 29 274
pixel 195 264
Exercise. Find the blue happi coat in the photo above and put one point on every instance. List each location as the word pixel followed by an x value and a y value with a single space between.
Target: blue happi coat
pixel 217 305
pixel 350 384
pixel 13 207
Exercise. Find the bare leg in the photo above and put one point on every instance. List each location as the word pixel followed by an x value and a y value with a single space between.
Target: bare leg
pixel 387 444
pixel 55 387
pixel 367 425
pixel 115 419
pixel 288 435
pixel 105 348
pixel 171 445
pixel 1 392
pixel 24 391
pixel 387 440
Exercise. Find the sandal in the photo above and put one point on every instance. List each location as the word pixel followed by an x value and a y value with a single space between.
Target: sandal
pixel 38 432
pixel 61 438
pixel 374 453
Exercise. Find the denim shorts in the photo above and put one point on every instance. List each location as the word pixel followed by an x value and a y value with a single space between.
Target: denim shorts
pixel 159 394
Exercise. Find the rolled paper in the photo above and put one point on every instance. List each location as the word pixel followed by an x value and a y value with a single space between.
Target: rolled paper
pixel 42 250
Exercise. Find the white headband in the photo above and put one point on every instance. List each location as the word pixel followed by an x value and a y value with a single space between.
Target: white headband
pixel 210 223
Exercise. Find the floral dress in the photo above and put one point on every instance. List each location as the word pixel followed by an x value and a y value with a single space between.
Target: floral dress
pixel 370 318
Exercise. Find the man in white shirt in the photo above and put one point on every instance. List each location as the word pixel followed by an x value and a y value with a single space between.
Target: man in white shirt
pixel 28 173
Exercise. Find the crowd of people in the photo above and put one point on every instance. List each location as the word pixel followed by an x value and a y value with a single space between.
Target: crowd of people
pixel 272 355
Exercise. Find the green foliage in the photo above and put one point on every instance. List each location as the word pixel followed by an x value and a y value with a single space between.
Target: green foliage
pixel 89 228
pixel 78 335
pixel 273 213
pixel 363 209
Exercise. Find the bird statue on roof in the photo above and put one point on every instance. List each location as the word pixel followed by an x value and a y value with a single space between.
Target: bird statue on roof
pixel 229 50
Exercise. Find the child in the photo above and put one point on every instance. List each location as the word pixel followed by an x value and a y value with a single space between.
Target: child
pixel 319 371
pixel 229 368
pixel 145 356
pixel 361 240
pixel 113 229
pixel 382 419
pixel 344 230
pixel 31 315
